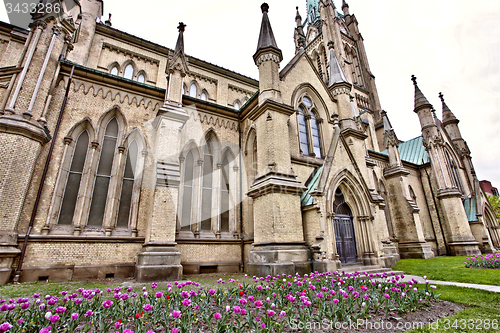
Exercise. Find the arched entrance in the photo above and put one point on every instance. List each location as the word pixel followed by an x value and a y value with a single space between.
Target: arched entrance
pixel 344 230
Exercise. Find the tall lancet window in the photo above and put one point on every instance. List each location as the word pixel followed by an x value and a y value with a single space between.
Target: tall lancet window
pixel 127 186
pixel 453 171
pixel 206 189
pixel 103 176
pixel 309 128
pixel 315 135
pixel 224 197
pixel 303 133
pixel 74 178
pixel 187 197
pixel 192 91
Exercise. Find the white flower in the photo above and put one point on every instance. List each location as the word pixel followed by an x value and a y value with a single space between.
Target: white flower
pixel 425 277
pixel 48 315
pixel 363 304
pixel 415 289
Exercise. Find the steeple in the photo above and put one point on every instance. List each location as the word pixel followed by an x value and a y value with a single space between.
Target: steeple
pixel 420 99
pixel 336 72
pixel 267 58
pixel 448 116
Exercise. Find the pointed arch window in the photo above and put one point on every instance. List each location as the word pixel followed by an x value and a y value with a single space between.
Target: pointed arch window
pixel 74 178
pixel 192 90
pixel 114 70
pixel 203 96
pixel 187 197
pixel 224 197
pixel 103 176
pixel 303 133
pixel 141 78
pixel 207 188
pixel 309 128
pixel 237 105
pixel 127 185
pixel 129 72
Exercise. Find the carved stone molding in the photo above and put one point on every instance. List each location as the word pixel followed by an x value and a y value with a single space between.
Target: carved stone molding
pixel 267 57
pixel 126 52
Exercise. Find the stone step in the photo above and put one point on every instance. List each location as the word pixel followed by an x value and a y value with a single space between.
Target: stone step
pixel 374 269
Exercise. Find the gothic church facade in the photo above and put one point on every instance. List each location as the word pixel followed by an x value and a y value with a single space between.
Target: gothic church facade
pixel 124 158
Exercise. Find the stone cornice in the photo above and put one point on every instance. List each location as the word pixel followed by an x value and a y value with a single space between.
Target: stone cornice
pixel 130 53
pixel 395 171
pixel 17 125
pixel 274 182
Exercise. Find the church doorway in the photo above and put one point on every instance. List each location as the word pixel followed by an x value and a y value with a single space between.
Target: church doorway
pixel 344 230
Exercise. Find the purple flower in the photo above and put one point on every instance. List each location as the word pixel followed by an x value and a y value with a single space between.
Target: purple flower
pixel 20 321
pixel 147 307
pixel 387 296
pixel 74 316
pixel 270 313
pixel 118 324
pixel 175 314
pixel 154 285
pixel 159 294
pixel 243 312
pixel 217 316
pixel 26 305
pixel 336 301
pixel 60 309
pixel 175 330
pixel 211 291
pixel 282 314
pixel 258 304
pixel 5 327
pixel 88 313
pixel 46 329
pixel 186 302
pixel 54 318
pixel 107 303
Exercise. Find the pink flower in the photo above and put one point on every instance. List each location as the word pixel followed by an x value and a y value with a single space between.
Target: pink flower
pixel 263 325
pixel 270 313
pixel 128 331
pixel 336 301
pixel 118 324
pixel 147 307
pixel 175 314
pixel 54 318
pixel 20 321
pixel 159 294
pixel 258 304
pixel 74 316
pixel 282 314
pixel 107 304
pixel 88 313
pixel 217 316
pixel 243 301
pixel 46 330
pixel 60 309
pixel 5 327
pixel 243 312
pixel 387 296
pixel 186 301
pixel 175 330
pixel 211 291
pixel 236 309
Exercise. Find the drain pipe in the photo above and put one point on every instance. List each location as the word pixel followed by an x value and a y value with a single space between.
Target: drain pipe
pixel 437 213
pixel 242 241
pixel 42 181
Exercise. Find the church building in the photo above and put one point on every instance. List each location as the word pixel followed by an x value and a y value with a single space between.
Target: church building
pixel 124 158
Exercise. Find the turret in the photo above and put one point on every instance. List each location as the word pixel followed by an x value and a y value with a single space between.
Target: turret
pixel 391 141
pixel 345 8
pixel 450 123
pixel 268 58
pixel 424 111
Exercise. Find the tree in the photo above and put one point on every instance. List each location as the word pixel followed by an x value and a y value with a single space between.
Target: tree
pixel 495 203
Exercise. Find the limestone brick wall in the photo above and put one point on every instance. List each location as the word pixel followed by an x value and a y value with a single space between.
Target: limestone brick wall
pixel 209 252
pixel 302 171
pixel 18 154
pixel 10 50
pixel 80 253
pixel 416 184
pixel 202 82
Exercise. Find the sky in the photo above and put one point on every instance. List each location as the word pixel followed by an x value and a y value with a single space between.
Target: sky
pixel 451 47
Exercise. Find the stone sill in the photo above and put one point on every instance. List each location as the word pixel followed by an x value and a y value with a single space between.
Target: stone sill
pixel 83 238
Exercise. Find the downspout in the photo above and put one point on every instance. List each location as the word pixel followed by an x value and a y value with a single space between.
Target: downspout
pixel 437 213
pixel 242 241
pixel 42 180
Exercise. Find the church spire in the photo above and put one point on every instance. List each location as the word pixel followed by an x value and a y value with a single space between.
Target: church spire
pixel 448 116
pixel 420 99
pixel 299 35
pixel 336 72
pixel 266 36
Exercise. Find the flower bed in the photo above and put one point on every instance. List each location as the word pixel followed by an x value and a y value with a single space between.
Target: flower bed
pixel 259 304
pixel 483 261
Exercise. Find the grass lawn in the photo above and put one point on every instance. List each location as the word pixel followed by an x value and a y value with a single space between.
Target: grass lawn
pixel 449 269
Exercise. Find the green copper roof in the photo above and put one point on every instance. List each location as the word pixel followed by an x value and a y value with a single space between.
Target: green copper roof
pixel 470 209
pixel 412 151
pixel 306 198
pixel 312 11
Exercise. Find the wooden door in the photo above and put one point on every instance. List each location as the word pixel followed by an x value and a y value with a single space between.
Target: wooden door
pixel 344 238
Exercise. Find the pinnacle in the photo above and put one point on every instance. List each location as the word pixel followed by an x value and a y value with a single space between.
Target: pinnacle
pixel 420 99
pixel 447 114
